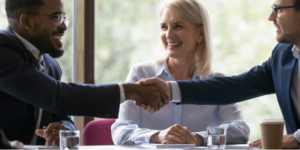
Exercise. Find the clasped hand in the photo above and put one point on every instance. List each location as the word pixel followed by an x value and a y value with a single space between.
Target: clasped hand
pixel 51 133
pixel 177 135
pixel 150 94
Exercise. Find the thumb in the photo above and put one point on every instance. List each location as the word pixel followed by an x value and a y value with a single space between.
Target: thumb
pixel 40 132
pixel 148 81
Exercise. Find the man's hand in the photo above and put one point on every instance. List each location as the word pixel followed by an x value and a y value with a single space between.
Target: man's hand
pixel 51 133
pixel 165 86
pixel 288 142
pixel 150 95
pixel 16 144
pixel 174 135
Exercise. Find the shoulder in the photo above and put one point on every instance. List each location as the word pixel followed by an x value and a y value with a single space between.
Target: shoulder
pixel 145 67
pixel 283 48
pixel 214 74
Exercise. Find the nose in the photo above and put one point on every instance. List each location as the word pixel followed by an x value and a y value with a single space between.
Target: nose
pixel 271 16
pixel 63 26
pixel 169 33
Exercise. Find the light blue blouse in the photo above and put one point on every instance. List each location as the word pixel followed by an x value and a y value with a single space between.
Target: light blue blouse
pixel 136 125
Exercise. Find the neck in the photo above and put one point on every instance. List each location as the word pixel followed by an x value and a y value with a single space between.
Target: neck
pixel 298 46
pixel 181 69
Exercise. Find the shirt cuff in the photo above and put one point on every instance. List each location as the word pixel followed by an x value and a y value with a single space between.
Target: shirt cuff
pixel 122 94
pixel 297 135
pixel 176 93
pixel 203 134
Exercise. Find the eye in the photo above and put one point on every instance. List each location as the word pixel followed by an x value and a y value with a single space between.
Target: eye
pixel 163 27
pixel 178 26
pixel 55 17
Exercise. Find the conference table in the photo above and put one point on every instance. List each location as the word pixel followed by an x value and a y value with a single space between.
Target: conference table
pixel 113 147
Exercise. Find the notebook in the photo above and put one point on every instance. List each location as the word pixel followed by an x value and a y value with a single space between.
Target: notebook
pixel 163 146
pixel 240 146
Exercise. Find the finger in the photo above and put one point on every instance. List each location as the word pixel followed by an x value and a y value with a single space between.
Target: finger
pixel 165 98
pixel 50 128
pixel 169 142
pixel 147 81
pixel 185 132
pixel 40 132
pixel 143 106
pixel 175 139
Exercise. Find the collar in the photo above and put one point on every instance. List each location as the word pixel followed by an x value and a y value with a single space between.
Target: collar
pixel 35 52
pixel 296 53
pixel 162 68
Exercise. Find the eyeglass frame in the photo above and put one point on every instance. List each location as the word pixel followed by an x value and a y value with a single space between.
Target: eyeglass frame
pixel 65 18
pixel 275 9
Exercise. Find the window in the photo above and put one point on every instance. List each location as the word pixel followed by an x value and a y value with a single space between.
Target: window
pixel 127 33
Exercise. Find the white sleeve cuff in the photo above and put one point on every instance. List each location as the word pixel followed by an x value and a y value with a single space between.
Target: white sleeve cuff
pixel 297 135
pixel 122 94
pixel 176 93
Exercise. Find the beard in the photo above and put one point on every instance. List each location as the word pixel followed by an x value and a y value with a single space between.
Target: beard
pixel 44 44
pixel 292 38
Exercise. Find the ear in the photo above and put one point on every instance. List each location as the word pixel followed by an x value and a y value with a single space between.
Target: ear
pixel 200 34
pixel 25 21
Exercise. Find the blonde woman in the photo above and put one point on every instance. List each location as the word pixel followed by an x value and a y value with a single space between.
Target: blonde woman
pixel 186 53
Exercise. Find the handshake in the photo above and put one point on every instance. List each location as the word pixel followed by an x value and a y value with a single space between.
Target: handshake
pixel 150 94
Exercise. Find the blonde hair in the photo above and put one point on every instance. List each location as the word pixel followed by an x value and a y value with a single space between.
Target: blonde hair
pixel 195 12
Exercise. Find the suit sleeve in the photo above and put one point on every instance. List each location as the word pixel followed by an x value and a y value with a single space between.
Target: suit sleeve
pixel 65 121
pixel 226 90
pixel 23 81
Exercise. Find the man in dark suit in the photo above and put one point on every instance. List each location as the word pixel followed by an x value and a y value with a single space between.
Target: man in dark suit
pixel 280 74
pixel 31 94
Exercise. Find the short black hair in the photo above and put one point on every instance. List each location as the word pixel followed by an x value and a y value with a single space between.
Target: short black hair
pixel 14 8
pixel 297 4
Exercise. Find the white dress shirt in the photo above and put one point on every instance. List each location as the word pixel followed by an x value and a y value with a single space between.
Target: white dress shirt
pixel 135 125
pixel 295 88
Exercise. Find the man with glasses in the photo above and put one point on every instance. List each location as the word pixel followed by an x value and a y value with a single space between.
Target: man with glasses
pixel 33 100
pixel 280 74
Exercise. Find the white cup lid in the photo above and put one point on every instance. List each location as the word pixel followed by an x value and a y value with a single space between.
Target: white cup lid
pixel 271 121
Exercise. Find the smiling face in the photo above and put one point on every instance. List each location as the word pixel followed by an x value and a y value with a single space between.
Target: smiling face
pixel 179 37
pixel 287 23
pixel 45 33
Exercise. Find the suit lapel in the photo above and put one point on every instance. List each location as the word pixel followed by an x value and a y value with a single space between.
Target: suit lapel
pixel 288 64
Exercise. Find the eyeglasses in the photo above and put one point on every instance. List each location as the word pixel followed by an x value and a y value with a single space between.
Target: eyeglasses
pixel 276 8
pixel 61 18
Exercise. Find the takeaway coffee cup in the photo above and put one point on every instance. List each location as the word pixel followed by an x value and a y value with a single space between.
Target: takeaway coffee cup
pixel 271 132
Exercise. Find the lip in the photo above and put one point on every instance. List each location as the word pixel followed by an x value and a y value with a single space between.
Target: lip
pixel 58 39
pixel 173 45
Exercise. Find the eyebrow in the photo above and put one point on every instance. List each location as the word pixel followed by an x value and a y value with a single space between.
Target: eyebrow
pixel 173 23
pixel 57 13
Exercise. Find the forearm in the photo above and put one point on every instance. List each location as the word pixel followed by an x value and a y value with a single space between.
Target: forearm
pixel 128 133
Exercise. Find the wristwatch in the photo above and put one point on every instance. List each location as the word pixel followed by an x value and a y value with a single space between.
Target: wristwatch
pixel 297 137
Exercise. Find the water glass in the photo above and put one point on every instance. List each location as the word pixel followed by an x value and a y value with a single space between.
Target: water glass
pixel 69 139
pixel 216 138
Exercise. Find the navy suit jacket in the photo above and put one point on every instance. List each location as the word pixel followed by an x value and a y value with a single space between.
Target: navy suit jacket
pixel 273 76
pixel 24 89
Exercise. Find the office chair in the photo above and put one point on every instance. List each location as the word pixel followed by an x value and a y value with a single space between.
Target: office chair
pixel 98 132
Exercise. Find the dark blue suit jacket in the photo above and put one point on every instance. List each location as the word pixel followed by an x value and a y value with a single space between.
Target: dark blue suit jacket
pixel 273 76
pixel 24 89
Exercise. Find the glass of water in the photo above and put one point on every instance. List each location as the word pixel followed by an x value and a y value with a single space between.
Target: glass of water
pixel 216 138
pixel 69 139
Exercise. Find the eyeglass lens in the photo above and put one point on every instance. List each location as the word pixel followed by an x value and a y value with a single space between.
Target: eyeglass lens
pixel 62 18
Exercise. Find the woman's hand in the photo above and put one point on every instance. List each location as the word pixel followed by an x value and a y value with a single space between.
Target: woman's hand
pixel 51 133
pixel 176 134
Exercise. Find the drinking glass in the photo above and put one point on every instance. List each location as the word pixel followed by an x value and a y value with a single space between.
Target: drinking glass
pixel 69 139
pixel 216 138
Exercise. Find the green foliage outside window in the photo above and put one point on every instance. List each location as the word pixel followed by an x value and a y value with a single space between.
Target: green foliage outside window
pixel 127 33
